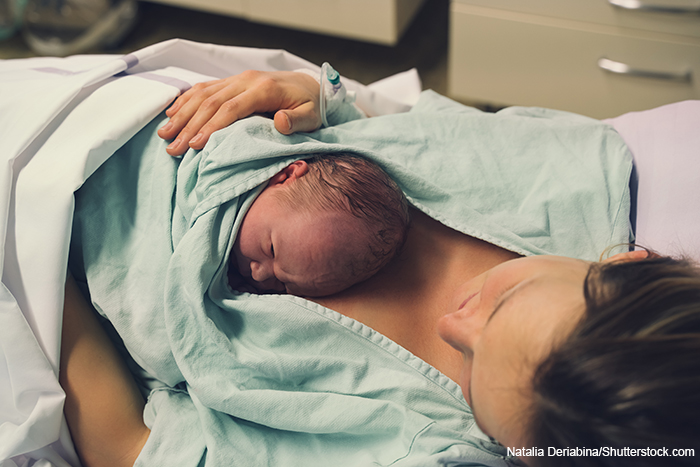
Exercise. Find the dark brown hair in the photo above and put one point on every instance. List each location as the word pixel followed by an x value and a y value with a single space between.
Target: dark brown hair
pixel 352 184
pixel 629 374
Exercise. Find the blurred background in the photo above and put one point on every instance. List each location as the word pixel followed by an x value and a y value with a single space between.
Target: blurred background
pixel 421 42
pixel 599 58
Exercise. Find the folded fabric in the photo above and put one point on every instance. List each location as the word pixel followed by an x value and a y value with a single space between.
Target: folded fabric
pixel 61 119
pixel 276 379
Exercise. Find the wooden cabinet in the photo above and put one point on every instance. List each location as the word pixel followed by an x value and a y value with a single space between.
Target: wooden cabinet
pixel 584 56
pixel 381 21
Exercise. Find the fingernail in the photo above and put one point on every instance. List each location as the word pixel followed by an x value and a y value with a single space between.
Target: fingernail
pixel 197 139
pixel 174 144
pixel 167 126
pixel 289 121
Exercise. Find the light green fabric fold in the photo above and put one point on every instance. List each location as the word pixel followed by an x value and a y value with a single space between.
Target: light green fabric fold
pixel 278 380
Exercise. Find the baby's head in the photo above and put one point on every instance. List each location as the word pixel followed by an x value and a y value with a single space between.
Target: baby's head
pixel 320 226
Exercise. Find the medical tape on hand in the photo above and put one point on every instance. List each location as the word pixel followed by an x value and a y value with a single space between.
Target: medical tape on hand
pixel 329 77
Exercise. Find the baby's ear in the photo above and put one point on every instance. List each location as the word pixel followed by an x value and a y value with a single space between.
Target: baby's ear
pixel 290 173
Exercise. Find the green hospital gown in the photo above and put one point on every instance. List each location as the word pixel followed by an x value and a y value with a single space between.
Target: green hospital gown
pixel 254 380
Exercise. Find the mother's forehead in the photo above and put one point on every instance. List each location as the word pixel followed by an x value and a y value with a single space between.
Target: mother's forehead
pixel 537 315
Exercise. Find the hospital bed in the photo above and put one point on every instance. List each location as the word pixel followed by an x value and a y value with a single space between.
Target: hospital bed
pixel 51 143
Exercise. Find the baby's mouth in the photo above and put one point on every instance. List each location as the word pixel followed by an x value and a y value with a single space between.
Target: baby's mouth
pixel 269 286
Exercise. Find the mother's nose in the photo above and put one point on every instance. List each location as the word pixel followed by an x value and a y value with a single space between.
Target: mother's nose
pixel 461 329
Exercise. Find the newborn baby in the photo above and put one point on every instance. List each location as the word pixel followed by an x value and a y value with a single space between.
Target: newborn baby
pixel 320 226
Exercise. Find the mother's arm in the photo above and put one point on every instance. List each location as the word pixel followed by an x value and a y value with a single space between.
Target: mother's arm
pixel 214 105
pixel 103 406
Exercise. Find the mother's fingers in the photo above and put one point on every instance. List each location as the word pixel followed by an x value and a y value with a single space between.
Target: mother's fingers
pixel 182 111
pixel 217 112
pixel 199 105
pixel 211 106
pixel 216 105
pixel 192 131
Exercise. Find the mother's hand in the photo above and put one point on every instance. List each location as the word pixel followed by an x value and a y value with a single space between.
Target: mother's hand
pixel 213 105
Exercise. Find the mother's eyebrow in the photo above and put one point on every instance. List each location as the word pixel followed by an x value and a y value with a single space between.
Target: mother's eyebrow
pixel 507 296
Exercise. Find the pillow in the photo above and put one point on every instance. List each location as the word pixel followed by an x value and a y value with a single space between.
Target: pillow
pixel 665 186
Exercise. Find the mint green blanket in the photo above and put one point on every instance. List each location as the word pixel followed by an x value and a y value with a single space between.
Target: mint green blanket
pixel 277 380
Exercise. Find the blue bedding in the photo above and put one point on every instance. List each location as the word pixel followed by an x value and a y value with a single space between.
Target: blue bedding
pixel 243 379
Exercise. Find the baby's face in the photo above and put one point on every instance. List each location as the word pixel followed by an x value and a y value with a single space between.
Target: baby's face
pixel 284 250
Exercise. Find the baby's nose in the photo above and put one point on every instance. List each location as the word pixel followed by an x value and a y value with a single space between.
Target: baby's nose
pixel 260 272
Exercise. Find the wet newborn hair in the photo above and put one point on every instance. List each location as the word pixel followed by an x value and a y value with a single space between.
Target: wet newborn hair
pixel 352 184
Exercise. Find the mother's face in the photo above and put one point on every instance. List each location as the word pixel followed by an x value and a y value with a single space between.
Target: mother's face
pixel 506 321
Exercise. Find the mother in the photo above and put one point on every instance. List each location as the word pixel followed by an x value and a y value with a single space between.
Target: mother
pixel 549 351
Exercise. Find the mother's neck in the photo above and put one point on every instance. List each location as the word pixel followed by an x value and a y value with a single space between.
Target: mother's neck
pixel 406 298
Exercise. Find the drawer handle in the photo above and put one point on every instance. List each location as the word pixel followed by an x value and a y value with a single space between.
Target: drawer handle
pixel 624 69
pixel 640 5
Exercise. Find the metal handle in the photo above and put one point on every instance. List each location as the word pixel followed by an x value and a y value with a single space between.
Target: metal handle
pixel 640 5
pixel 624 69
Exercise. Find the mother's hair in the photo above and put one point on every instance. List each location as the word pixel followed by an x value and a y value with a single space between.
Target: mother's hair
pixel 629 374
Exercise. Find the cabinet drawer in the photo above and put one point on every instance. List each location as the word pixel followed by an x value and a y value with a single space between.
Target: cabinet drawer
pixel 603 12
pixel 520 63
pixel 380 21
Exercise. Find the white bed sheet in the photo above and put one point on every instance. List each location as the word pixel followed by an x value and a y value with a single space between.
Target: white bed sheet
pixel 51 142
pixel 665 144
